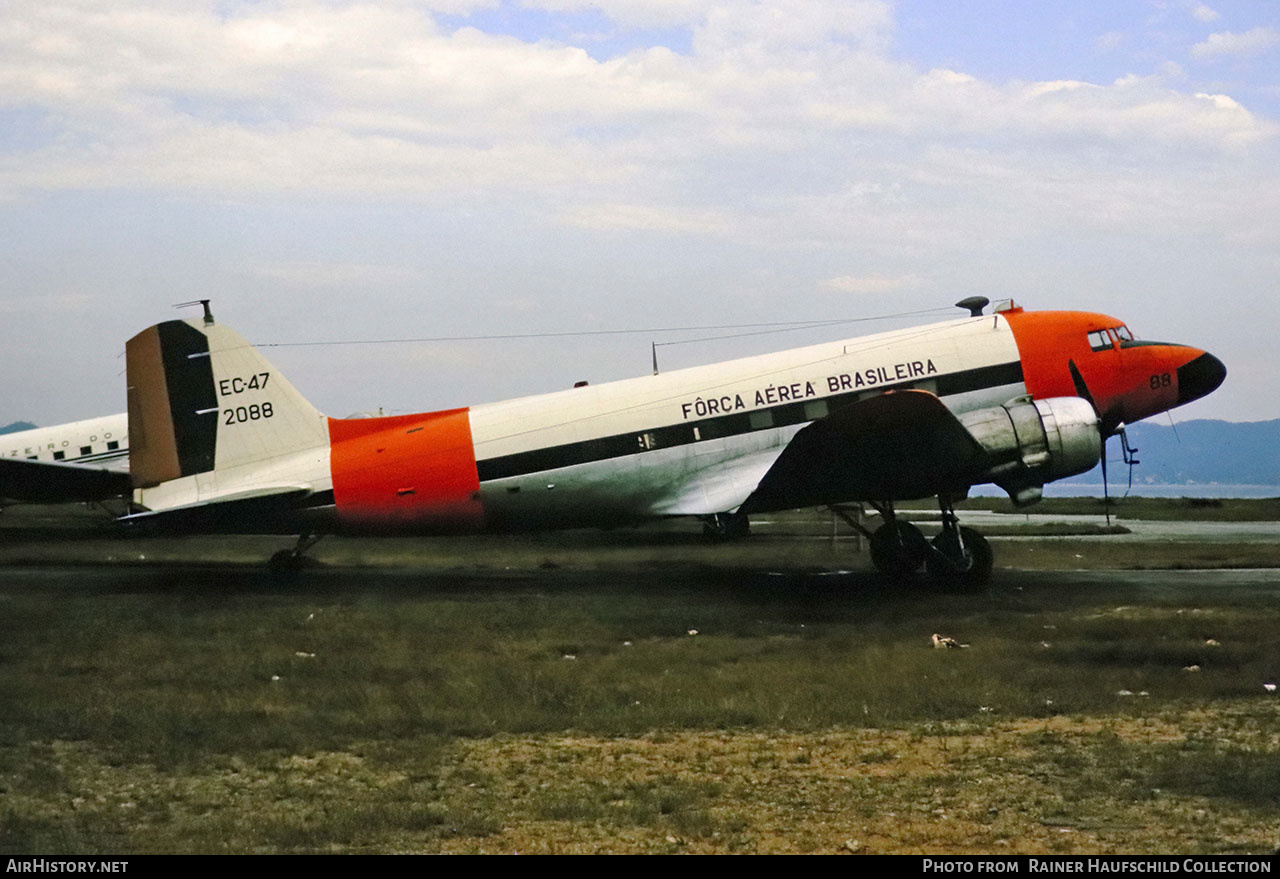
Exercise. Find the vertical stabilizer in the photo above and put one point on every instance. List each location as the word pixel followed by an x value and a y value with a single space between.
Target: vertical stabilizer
pixel 202 400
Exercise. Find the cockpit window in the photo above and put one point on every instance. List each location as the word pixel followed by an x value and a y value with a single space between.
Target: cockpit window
pixel 1101 340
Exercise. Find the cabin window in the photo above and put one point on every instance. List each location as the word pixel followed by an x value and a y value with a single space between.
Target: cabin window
pixel 112 446
pixel 58 456
pixel 760 419
pixel 85 450
pixel 815 409
pixel 1099 340
pixel 712 428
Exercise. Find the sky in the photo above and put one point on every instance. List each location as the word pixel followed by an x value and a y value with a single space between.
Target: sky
pixel 356 173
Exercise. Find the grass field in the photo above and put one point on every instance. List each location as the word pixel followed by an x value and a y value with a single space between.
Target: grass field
pixel 652 702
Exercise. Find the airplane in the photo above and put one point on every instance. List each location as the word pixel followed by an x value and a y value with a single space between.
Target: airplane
pixel 222 442
pixel 84 460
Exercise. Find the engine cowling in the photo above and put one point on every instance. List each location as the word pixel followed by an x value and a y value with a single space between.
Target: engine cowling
pixel 1031 442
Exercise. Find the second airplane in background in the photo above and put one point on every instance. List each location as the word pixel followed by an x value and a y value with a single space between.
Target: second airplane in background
pixel 78 461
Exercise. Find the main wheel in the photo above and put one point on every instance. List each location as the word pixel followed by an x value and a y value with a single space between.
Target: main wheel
pixel 968 566
pixel 898 549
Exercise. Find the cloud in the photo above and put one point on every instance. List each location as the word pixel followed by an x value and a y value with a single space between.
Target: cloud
pixel 332 274
pixel 1108 42
pixel 633 13
pixel 788 125
pixel 380 101
pixel 1206 14
pixel 45 303
pixel 643 217
pixel 752 32
pixel 1251 42
pixel 804 145
pixel 869 283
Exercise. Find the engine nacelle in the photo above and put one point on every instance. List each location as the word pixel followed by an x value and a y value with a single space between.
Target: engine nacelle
pixel 1032 442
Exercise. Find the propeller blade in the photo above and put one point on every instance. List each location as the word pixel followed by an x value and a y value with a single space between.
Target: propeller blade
pixel 1082 389
pixel 1107 421
pixel 1106 494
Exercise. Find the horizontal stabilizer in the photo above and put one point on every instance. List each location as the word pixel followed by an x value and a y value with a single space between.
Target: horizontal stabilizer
pixel 40 482
pixel 895 446
pixel 262 511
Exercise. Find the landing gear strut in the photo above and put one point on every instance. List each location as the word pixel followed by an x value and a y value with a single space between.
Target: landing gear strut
pixel 725 526
pixel 288 562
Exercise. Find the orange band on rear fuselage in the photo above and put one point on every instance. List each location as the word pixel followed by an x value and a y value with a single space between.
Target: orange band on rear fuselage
pixel 415 472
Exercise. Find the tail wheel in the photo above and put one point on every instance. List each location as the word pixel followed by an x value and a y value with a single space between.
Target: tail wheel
pixel 961 557
pixel 898 549
pixel 725 526
pixel 285 564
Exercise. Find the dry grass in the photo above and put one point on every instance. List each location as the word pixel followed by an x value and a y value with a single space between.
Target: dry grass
pixel 1049 785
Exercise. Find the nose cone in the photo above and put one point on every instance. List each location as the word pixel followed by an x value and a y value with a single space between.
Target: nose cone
pixel 1199 377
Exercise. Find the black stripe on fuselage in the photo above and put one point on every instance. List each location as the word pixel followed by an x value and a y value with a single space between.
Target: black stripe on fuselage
pixel 736 424
pixel 96 458
pixel 99 457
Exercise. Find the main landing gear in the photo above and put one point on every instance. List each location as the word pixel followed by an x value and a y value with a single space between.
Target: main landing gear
pixel 959 556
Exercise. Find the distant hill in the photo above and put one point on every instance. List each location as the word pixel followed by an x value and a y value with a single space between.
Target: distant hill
pixel 1223 452
pixel 16 426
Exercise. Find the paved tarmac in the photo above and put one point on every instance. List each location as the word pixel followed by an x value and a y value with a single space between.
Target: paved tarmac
pixel 1140 531
pixel 228 578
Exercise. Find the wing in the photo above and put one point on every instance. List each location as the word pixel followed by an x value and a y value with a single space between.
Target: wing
pixel 895 446
pixel 40 482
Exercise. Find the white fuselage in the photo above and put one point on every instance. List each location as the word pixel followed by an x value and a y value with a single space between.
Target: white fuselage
pixel 698 441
